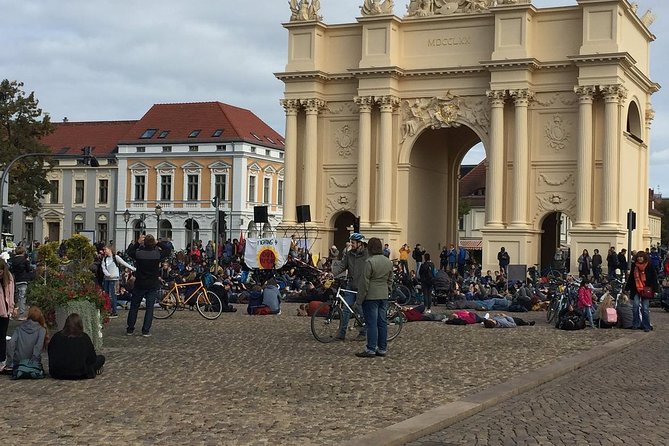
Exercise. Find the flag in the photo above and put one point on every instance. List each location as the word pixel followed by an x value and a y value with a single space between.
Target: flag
pixel 241 244
pixel 266 253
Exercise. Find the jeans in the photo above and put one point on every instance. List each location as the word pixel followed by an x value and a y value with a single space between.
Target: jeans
pixel 137 296
pixel 346 315
pixel 418 264
pixel 404 266
pixel 597 272
pixel 109 286
pixel 587 311
pixel 21 297
pixel 644 306
pixel 427 294
pixel 375 312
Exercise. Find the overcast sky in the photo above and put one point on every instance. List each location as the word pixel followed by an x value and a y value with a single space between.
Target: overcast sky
pixel 107 60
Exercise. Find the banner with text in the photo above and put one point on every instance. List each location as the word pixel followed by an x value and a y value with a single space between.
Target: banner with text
pixel 266 253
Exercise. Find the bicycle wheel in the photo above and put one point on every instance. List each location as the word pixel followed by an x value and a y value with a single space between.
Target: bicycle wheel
pixel 325 322
pixel 396 320
pixel 168 305
pixel 209 305
pixel 551 311
pixel 401 294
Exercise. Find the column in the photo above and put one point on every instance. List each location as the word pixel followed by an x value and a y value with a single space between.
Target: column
pixel 384 183
pixel 364 157
pixel 521 155
pixel 613 95
pixel 495 175
pixel 290 161
pixel 650 115
pixel 310 173
pixel 585 165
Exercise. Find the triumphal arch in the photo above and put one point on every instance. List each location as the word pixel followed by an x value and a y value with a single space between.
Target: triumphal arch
pixel 380 113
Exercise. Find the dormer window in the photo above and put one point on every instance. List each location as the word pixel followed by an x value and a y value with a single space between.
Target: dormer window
pixel 148 133
pixel 194 134
pixel 163 134
pixel 217 133
pixel 256 136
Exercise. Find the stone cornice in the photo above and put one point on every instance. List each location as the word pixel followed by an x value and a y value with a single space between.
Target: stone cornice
pixel 377 71
pixel 302 75
pixel 514 64
pixel 625 60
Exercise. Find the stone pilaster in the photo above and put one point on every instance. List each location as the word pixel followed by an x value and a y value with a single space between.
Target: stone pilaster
pixel 364 157
pixel 310 175
pixel 384 188
pixel 614 96
pixel 521 157
pixel 495 177
pixel 585 157
pixel 290 160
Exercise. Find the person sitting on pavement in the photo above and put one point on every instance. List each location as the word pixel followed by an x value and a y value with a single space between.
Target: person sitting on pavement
pixel 504 321
pixel 271 297
pixel 570 318
pixel 601 315
pixel 625 314
pixel 27 343
pixel 221 288
pixel 71 352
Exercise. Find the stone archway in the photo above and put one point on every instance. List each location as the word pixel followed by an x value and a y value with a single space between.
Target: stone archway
pixel 342 222
pixel 550 111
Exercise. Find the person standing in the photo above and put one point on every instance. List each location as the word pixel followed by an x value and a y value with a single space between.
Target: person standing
pixel 596 265
pixel 503 259
pixel 353 262
pixel 404 258
pixel 622 262
pixel 611 263
pixel 584 264
pixel 6 308
pixel 22 271
pixel 112 273
pixel 452 257
pixel 426 276
pixel 417 254
pixel 148 256
pixel 386 249
pixel 373 297
pixel 642 284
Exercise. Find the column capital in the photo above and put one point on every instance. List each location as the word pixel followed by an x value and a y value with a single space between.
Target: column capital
pixel 313 106
pixel 496 97
pixel 613 93
pixel 650 115
pixel 290 105
pixel 585 93
pixel 522 97
pixel 387 103
pixel 365 103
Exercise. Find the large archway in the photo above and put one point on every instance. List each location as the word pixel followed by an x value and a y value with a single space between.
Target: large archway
pixel 434 174
pixel 342 223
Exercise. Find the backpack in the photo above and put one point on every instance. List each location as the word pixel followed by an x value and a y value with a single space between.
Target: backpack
pixel 208 280
pixel 610 316
pixel 27 369
pixel 571 322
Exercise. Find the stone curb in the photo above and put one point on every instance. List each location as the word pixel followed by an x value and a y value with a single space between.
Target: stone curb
pixel 443 416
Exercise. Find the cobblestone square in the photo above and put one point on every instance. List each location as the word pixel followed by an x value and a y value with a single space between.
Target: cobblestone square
pixel 243 380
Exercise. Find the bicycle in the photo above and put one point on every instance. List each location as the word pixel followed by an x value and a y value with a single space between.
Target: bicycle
pixel 326 319
pixel 208 304
pixel 560 300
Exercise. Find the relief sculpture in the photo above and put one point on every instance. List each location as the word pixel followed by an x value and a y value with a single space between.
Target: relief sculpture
pixel 346 140
pixel 557 134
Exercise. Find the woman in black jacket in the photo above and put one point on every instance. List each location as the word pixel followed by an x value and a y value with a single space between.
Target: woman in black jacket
pixel 71 352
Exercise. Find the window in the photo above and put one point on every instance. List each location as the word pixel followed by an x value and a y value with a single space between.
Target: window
pixel 256 136
pixel 270 139
pixel 29 231
pixel 140 187
pixel 253 149
pixel 79 191
pixel 163 134
pixel 252 189
pixel 217 133
pixel 148 133
pixel 78 227
pixel 266 190
pixel 220 183
pixel 166 187
pixel 102 232
pixel 53 198
pixel 194 134
pixel 279 193
pixel 192 148
pixel 280 155
pixel 141 149
pixel 193 183
pixel 103 191
pixel 167 148
pixel 461 223
pixel 221 148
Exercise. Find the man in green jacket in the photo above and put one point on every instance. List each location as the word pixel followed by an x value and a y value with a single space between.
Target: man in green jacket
pixel 353 262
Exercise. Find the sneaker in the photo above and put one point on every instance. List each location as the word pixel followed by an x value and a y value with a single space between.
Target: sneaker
pixel 129 333
pixel 146 335
pixel 340 337
pixel 99 371
pixel 486 316
pixel 428 311
pixel 22 318
pixel 366 354
pixel 381 353
pixel 113 316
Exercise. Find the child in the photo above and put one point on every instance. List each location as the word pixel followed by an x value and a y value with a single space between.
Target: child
pixel 585 300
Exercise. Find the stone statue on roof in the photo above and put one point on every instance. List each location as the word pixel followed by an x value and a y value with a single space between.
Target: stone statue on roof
pixel 304 10
pixel 427 8
pixel 375 7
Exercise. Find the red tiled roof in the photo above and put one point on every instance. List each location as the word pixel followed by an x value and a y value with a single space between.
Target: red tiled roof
pixel 473 181
pixel 237 124
pixel 71 137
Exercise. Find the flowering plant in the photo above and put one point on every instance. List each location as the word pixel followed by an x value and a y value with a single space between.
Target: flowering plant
pixel 62 281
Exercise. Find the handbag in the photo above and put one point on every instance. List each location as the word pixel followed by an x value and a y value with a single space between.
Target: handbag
pixel 647 292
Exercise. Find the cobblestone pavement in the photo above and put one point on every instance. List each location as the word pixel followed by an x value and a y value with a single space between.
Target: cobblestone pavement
pixel 618 400
pixel 264 380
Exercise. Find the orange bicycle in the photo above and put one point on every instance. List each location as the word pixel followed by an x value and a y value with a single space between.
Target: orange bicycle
pixel 208 304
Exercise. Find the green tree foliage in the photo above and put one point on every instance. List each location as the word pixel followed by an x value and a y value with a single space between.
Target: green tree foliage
pixel 464 208
pixel 22 124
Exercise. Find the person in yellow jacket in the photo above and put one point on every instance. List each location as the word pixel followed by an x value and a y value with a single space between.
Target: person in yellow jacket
pixel 404 258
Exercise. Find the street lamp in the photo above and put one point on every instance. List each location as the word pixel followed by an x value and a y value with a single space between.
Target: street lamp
pixel 158 210
pixel 126 219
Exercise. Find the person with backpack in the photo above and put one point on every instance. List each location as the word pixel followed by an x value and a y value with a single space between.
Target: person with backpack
pixel 112 273
pixel 426 276
pixel 606 314
pixel 22 271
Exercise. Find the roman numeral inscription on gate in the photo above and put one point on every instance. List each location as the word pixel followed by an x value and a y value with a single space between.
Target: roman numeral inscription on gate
pixel 449 41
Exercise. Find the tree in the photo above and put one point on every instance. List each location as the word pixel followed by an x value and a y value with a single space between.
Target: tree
pixel 22 125
pixel 464 208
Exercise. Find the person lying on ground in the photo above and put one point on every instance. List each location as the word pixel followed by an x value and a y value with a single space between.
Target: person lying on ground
pixel 463 317
pixel 504 321
pixel 417 313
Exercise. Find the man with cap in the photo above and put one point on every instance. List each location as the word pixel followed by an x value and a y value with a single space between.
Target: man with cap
pixel 353 262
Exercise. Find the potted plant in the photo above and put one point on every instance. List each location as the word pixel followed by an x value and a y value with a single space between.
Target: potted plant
pixel 67 285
